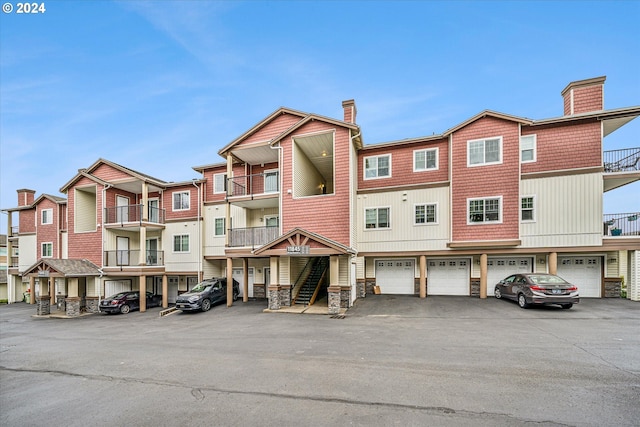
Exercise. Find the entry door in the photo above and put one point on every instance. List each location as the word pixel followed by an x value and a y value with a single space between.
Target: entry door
pixel 153 210
pixel 270 181
pixel 238 274
pixel 152 252
pixel 122 209
pixel 122 250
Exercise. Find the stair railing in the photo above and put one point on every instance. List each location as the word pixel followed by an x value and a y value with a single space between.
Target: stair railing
pixel 302 277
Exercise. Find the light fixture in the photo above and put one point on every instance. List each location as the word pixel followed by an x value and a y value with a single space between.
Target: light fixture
pixel 541 261
pixel 613 260
pixel 324 153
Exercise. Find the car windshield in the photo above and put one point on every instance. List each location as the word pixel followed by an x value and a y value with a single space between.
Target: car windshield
pixel 547 280
pixel 119 295
pixel 203 286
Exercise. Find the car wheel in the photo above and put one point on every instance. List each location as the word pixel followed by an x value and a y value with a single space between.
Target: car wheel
pixel 497 293
pixel 235 296
pixel 522 301
pixel 125 309
pixel 206 305
pixel 566 306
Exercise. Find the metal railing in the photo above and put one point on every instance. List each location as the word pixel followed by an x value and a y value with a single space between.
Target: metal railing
pixel 132 213
pixel 14 261
pixel 15 230
pixel 123 258
pixel 261 183
pixel 622 224
pixel 252 237
pixel 624 160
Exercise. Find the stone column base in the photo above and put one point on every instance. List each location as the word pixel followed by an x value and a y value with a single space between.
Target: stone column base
pixel 285 296
pixel 73 306
pixel 334 293
pixel 92 305
pixel 361 289
pixel 274 297
pixel 43 305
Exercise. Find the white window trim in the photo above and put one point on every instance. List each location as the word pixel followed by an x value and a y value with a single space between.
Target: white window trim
pixel 376 228
pixel 364 167
pixel 533 209
pixel 50 216
pixel 224 181
pixel 42 245
pixel 437 166
pixel 224 226
pixel 264 181
pixel 266 217
pixel 173 206
pixel 436 222
pixel 469 142
pixel 173 243
pixel 469 222
pixel 534 148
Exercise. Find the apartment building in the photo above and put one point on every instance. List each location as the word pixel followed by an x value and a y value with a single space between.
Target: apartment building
pixel 301 212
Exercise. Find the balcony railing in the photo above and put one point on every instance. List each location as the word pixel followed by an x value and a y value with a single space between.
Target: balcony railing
pixel 125 258
pixel 625 160
pixel 132 213
pixel 249 185
pixel 15 230
pixel 623 224
pixel 252 237
pixel 14 262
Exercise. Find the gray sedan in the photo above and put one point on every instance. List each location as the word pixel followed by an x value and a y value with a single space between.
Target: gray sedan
pixel 538 289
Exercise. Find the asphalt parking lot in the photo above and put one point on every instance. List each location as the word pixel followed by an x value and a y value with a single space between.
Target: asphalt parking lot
pixel 391 360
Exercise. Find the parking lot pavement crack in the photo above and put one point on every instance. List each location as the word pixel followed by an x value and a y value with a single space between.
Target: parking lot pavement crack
pixel 607 362
pixel 199 393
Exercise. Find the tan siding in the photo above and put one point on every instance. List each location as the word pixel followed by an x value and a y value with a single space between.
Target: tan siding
pixel 344 271
pixel 306 178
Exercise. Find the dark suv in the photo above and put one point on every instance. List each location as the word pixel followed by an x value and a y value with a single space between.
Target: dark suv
pixel 205 294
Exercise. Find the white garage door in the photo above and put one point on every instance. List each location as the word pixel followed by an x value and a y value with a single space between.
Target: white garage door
pixel 448 277
pixel 238 274
pixel 395 276
pixel 584 272
pixel 500 268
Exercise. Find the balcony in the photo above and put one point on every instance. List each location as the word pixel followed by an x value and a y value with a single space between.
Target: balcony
pixel 132 215
pixel 623 224
pixel 127 258
pixel 621 167
pixel 254 191
pixel 252 237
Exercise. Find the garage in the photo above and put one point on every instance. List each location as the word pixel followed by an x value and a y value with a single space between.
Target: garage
pixel 238 274
pixel 396 276
pixel 584 272
pixel 448 277
pixel 500 268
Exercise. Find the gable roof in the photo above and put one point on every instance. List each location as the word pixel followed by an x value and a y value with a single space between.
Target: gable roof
pixel 65 267
pixel 302 237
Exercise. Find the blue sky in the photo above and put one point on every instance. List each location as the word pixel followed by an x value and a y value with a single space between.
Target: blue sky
pixel 161 86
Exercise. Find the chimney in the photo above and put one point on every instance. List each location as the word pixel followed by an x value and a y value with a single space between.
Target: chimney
pixel 350 111
pixel 25 197
pixel 584 96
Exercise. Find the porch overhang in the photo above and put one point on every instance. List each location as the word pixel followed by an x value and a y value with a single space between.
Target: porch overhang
pixel 300 242
pixel 53 267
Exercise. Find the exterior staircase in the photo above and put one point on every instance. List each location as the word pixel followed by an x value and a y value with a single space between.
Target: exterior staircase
pixel 309 289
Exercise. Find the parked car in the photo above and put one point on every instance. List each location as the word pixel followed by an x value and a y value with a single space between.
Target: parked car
pixel 124 302
pixel 538 288
pixel 205 294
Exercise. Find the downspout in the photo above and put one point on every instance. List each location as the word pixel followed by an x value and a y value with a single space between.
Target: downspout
pixel 199 232
pixel 104 189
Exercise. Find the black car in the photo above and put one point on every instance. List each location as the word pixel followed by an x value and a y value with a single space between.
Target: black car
pixel 538 289
pixel 205 294
pixel 124 302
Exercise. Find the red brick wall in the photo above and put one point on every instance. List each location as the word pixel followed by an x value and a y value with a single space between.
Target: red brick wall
pixel 565 147
pixel 587 99
pixel 85 245
pixel 167 200
pixel 108 173
pixel 326 215
pixel 47 232
pixel 26 221
pixel 486 181
pixel 402 165
pixel 272 129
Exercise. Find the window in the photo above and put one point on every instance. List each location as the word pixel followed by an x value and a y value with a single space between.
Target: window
pixel 47 250
pixel 528 148
pixel 271 181
pixel 484 210
pixel 181 243
pixel 377 167
pixel 220 183
pixel 181 201
pixel 47 216
pixel 484 151
pixel 220 226
pixel 271 221
pixel 425 160
pixel 526 208
pixel 376 218
pixel 425 214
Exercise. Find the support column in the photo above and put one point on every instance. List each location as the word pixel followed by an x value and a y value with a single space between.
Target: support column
pixel 334 285
pixel 43 304
pixel 423 276
pixel 229 282
pixel 32 287
pixel 483 276
pixel 273 289
pixel 165 291
pixel 143 293
pixel 72 301
pixel 553 263
pixel 245 284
